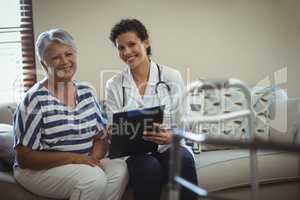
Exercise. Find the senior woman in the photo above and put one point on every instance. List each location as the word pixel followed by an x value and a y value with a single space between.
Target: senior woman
pixel 60 137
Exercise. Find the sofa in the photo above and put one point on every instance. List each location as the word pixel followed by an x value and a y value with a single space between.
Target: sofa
pixel 224 172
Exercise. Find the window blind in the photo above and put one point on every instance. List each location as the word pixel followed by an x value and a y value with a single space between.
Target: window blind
pixel 27 44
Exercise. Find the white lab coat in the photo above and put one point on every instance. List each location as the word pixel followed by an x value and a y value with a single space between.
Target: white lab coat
pixel 133 99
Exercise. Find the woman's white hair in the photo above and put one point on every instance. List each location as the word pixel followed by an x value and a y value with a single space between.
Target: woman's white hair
pixel 53 35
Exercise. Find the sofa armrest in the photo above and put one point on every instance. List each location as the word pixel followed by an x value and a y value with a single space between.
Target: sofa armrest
pixel 297 137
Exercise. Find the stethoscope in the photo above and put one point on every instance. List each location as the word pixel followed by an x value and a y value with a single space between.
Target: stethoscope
pixel 160 82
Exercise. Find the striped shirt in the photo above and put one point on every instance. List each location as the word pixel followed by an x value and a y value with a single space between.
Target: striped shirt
pixel 44 123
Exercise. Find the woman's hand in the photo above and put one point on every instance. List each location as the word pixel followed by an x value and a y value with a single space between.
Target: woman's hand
pixel 109 134
pixel 87 160
pixel 100 146
pixel 163 136
pixel 40 160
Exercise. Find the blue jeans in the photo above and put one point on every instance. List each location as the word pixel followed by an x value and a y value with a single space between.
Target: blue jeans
pixel 147 174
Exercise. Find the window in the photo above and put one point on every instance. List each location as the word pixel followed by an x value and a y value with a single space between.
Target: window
pixel 16 49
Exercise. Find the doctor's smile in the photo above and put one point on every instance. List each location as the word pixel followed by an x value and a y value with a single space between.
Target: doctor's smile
pixel 131 49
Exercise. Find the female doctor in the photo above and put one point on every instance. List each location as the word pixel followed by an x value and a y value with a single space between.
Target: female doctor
pixel 144 83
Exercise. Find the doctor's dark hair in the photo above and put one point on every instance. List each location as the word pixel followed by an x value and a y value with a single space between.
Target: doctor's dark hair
pixel 130 25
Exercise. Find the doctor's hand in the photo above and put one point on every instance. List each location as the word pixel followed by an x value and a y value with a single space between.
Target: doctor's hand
pixel 163 136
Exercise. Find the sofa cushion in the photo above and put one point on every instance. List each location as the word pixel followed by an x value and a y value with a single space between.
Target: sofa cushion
pixel 283 121
pixel 11 190
pixel 4 166
pixel 272 166
pixel 6 145
pixel 6 112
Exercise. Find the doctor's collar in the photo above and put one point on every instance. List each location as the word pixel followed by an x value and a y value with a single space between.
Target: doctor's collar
pixel 127 78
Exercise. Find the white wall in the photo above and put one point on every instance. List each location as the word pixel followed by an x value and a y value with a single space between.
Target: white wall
pixel 246 39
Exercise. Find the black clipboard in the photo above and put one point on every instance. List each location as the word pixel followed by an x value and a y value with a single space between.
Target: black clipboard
pixel 128 128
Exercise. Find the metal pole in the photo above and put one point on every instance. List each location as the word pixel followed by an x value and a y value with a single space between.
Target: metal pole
pixel 175 167
pixel 253 152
